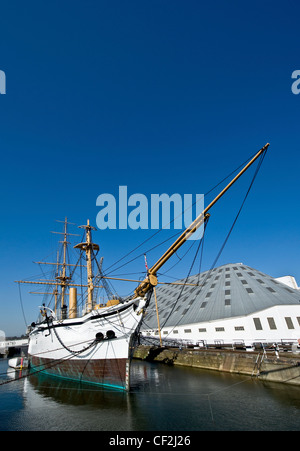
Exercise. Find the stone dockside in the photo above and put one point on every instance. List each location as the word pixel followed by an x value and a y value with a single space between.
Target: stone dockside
pixel 269 366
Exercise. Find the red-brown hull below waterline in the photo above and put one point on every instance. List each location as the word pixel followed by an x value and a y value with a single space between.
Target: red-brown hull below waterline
pixel 113 373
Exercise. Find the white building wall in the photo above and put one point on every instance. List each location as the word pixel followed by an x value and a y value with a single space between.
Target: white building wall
pixel 290 281
pixel 241 329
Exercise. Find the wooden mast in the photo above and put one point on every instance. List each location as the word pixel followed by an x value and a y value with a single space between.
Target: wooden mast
pixel 55 291
pixel 151 280
pixel 61 278
pixel 88 247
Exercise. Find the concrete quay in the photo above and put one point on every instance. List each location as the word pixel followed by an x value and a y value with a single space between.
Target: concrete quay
pixel 283 367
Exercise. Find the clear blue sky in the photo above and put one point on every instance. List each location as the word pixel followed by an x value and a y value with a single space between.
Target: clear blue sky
pixel 160 96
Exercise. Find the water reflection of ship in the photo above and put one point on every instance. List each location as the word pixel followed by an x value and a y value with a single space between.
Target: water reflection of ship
pixel 108 403
pixel 101 406
pixel 72 393
pixel 143 376
pixel 16 373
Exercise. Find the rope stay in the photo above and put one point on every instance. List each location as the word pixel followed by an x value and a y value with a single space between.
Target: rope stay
pixel 201 244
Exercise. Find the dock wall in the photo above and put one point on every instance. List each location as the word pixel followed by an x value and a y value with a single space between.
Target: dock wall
pixel 284 368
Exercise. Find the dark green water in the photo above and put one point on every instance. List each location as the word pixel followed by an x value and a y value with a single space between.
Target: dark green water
pixel 162 399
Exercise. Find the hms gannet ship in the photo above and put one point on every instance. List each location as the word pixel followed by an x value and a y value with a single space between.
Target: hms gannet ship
pixel 94 344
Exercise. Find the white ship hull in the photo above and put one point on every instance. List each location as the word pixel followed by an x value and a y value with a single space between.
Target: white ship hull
pixel 95 348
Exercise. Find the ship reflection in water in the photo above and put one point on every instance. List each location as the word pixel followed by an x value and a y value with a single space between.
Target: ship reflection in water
pixel 162 398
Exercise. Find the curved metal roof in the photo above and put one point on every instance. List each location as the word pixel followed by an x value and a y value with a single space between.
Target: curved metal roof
pixel 227 291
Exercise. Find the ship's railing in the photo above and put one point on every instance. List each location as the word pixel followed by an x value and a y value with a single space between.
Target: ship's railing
pixel 282 345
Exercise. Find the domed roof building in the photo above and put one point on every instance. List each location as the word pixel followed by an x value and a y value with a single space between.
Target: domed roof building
pixel 231 304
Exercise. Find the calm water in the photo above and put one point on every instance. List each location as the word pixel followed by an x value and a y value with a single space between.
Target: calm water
pixel 163 399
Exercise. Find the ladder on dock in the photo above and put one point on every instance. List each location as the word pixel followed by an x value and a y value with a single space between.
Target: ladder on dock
pixel 258 362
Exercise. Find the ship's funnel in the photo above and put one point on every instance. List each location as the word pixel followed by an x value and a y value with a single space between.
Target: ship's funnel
pixel 72 302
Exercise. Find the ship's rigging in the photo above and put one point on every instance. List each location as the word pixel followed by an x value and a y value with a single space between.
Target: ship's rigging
pixel 63 283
